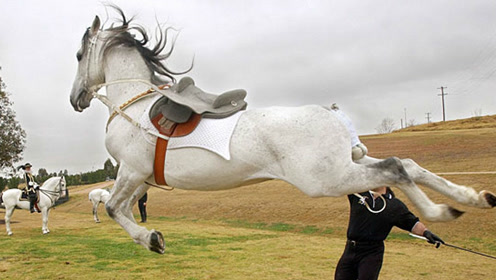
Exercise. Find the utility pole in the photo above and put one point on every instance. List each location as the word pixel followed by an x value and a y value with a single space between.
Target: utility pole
pixel 442 97
pixel 428 117
pixel 406 122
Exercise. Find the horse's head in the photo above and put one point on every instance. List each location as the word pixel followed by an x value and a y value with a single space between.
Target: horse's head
pixel 97 45
pixel 90 72
pixel 62 186
pixel 54 184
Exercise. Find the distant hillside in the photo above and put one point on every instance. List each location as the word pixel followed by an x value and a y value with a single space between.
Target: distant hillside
pixel 470 123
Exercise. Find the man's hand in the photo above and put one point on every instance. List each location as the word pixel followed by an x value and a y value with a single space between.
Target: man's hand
pixel 433 239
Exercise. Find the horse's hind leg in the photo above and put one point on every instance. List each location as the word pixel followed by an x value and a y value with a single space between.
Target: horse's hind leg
pixel 8 214
pixel 126 184
pixel 359 178
pixel 461 194
pixel 430 210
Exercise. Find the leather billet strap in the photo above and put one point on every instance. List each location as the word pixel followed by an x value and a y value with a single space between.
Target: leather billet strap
pixel 170 130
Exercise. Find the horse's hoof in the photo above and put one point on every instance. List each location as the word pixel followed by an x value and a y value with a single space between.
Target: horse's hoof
pixel 98 221
pixel 490 198
pixel 455 212
pixel 9 233
pixel 157 243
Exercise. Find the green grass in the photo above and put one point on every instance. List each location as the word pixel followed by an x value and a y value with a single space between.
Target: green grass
pixel 399 236
pixel 280 227
pixel 198 250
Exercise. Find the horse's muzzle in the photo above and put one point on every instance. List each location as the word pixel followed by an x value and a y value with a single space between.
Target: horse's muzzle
pixel 81 100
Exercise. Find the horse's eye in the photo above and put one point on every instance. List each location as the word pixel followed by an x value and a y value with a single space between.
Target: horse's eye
pixel 79 56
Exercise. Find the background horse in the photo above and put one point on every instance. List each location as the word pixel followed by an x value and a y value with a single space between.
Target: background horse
pixel 49 192
pixel 307 146
pixel 96 197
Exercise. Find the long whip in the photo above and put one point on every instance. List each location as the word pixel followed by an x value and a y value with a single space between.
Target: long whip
pixel 456 247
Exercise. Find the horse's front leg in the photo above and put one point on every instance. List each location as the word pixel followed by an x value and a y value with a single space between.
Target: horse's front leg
pixel 127 205
pixel 8 214
pixel 461 194
pixel 126 184
pixel 44 218
pixel 95 211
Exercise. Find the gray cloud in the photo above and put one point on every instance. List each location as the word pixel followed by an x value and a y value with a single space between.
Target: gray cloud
pixel 374 58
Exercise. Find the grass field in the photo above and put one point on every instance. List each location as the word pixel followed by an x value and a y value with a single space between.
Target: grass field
pixel 266 231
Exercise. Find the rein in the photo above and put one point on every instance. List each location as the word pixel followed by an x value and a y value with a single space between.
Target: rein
pixel 119 110
pixel 132 101
pixel 50 193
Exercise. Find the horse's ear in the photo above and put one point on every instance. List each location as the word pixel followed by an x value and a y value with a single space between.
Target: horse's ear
pixel 95 26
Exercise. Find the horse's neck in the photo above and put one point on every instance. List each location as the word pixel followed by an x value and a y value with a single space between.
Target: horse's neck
pixel 125 64
pixel 50 184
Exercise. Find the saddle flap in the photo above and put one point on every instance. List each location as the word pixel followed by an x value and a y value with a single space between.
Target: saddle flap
pixel 175 112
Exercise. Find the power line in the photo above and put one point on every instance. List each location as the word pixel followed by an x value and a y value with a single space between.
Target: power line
pixel 442 97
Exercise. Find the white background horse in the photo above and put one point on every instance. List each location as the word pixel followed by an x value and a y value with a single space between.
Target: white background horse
pixel 96 197
pixel 50 191
pixel 305 146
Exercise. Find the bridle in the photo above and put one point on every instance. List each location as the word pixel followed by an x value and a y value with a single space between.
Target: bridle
pixel 55 194
pixel 92 44
pixel 114 109
pixel 119 110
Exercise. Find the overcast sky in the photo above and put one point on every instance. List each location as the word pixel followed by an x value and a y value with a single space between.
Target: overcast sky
pixel 376 59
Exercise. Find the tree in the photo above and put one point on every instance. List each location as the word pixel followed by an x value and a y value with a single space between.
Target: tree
pixel 3 183
pixel 42 172
pixel 109 168
pixel 387 126
pixel 14 182
pixel 42 175
pixel 12 136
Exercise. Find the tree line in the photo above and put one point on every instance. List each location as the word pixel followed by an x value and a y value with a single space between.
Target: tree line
pixel 109 172
pixel 13 143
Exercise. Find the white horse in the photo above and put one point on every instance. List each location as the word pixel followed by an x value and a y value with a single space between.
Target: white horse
pixel 96 197
pixel 307 146
pixel 50 192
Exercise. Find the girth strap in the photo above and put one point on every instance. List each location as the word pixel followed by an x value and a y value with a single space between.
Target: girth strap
pixel 169 129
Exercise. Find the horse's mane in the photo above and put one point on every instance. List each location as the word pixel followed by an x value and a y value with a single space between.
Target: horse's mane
pixel 153 56
pixel 49 180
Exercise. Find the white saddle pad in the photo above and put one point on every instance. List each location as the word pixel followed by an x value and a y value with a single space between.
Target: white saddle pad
pixel 211 134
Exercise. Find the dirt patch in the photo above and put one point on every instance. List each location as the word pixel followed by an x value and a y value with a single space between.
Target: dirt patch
pixel 85 189
pixel 278 202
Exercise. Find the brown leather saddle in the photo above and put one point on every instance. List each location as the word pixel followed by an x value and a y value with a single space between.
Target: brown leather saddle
pixel 181 109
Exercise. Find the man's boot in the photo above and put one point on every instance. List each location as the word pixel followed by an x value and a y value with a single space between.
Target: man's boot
pixel 32 199
pixel 31 205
